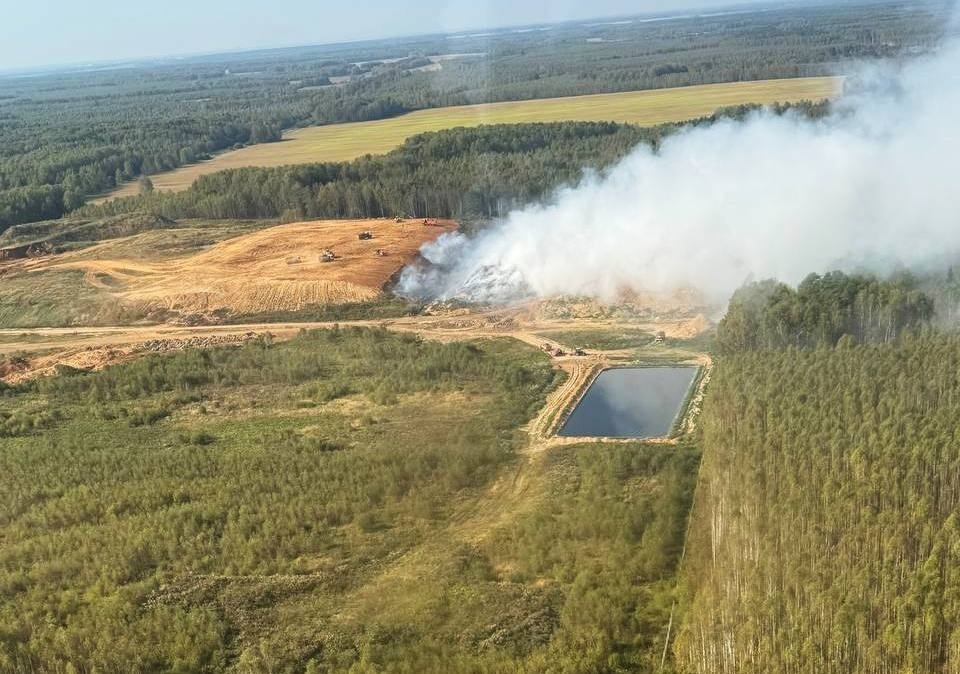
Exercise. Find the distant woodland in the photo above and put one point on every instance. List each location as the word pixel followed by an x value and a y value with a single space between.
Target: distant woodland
pixel 66 136
pixel 465 173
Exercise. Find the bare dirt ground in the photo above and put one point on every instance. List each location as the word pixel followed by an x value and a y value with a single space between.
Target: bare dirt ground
pixel 498 323
pixel 275 269
pixel 280 268
pixel 29 353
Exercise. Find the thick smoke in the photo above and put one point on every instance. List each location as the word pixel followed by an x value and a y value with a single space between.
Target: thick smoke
pixel 875 184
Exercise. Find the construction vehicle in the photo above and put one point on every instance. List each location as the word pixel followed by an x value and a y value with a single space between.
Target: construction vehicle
pixel 380 252
pixel 327 255
pixel 365 235
pixel 39 249
pixel 579 352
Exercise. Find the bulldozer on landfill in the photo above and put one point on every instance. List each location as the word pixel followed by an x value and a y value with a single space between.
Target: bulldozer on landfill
pixel 327 255
pixel 365 235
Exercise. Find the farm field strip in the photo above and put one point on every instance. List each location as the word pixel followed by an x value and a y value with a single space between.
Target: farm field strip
pixel 343 142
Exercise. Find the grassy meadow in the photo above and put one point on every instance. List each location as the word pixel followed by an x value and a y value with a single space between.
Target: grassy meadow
pixel 61 297
pixel 601 338
pixel 343 142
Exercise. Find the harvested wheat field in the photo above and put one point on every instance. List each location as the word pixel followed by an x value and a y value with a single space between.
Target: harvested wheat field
pixel 343 142
pixel 275 269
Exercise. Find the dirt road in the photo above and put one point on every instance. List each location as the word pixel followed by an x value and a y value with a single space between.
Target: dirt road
pixel 501 323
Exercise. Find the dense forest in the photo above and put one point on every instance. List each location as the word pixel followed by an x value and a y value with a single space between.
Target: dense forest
pixel 464 173
pixel 823 310
pixel 825 533
pixel 482 171
pixel 67 135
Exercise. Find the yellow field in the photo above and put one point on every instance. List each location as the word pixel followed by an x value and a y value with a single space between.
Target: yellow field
pixel 341 142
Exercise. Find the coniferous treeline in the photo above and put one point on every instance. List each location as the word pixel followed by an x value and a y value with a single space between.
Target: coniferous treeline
pixel 479 171
pixel 826 536
pixel 462 173
pixel 822 310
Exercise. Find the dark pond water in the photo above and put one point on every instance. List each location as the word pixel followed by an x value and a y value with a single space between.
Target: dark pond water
pixel 639 402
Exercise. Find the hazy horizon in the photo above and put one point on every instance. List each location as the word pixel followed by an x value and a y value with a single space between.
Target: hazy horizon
pixel 102 31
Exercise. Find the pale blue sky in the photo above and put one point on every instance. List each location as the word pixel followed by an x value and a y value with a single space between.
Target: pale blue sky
pixel 43 32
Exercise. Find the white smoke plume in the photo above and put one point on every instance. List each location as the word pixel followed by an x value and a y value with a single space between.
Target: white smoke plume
pixel 875 183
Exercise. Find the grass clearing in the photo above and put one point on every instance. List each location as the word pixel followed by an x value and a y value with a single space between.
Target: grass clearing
pixel 600 338
pixel 57 297
pixel 343 142
pixel 188 236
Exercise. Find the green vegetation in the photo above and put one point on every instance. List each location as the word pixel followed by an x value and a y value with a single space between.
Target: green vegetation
pixel 57 298
pixel 480 171
pixel 674 350
pixel 822 311
pixel 324 505
pixel 386 307
pixel 69 135
pixel 599 338
pixel 129 493
pixel 477 172
pixel 605 540
pixel 825 536
pixel 348 141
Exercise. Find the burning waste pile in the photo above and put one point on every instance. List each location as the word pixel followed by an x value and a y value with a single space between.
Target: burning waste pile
pixel 441 275
pixel 869 187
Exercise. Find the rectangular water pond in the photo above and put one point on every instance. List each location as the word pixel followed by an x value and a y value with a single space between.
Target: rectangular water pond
pixel 637 402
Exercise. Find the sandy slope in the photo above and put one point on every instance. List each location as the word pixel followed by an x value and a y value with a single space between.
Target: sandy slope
pixel 274 269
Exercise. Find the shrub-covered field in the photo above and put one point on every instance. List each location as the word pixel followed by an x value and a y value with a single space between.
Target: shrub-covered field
pixel 342 501
pixel 601 338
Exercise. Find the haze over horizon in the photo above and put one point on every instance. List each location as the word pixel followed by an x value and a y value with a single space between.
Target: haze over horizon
pixel 109 30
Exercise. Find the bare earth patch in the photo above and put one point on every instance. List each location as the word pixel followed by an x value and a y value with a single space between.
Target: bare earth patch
pixel 274 269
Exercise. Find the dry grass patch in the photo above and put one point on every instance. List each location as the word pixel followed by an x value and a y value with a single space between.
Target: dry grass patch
pixel 343 142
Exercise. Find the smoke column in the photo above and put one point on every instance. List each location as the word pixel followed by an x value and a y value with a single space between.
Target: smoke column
pixel 875 184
